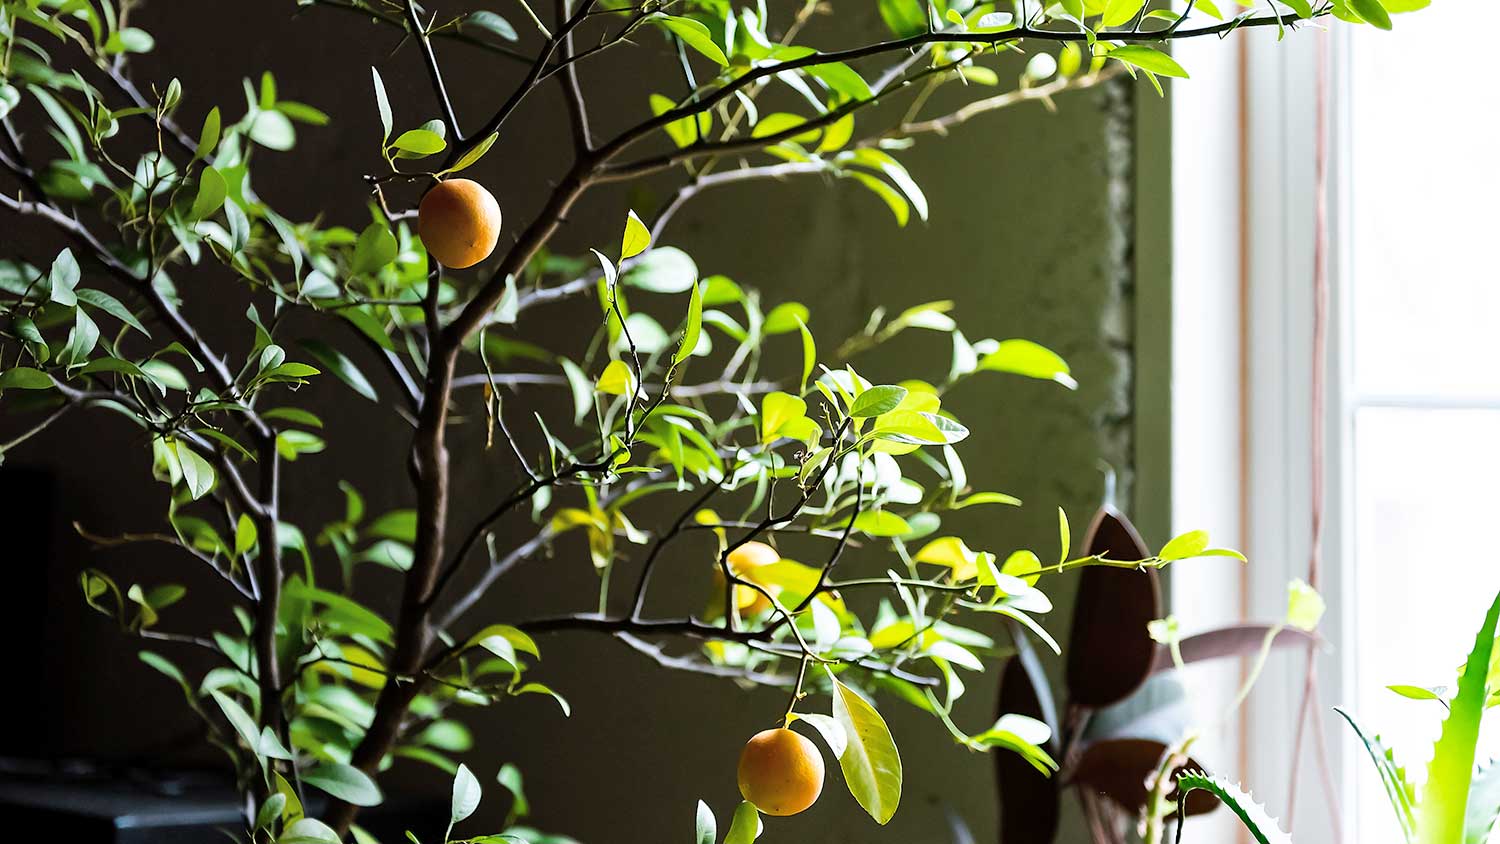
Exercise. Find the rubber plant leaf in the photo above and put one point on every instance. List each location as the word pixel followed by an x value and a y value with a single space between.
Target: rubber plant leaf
pixel 1110 653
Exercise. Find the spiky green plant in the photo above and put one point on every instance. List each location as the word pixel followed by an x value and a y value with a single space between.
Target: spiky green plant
pixel 1458 804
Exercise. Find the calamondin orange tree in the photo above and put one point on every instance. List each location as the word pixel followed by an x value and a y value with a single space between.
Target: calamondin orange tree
pixel 145 188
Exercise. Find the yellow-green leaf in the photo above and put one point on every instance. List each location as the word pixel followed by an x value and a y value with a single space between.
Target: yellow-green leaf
pixel 616 380
pixel 871 763
pixel 637 237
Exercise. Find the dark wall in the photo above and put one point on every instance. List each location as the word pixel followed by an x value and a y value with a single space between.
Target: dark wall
pixel 1030 233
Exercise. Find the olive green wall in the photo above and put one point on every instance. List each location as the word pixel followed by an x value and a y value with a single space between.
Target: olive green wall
pixel 1034 219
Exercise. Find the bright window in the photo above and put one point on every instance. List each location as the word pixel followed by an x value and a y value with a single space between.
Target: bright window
pixel 1422 389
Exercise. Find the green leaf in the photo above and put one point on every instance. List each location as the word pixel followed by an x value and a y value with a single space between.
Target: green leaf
pixel 273 130
pixel 829 728
pixel 693 327
pixel 208 137
pixel 308 831
pixel 745 826
pixel 1147 58
pixel 25 378
pixel 539 689
pixel 513 638
pixel 682 131
pixel 1392 777
pixel 197 473
pixel 245 535
pixel 1023 357
pixel 341 366
pixel 878 400
pixel 1417 692
pixel 270 811
pixel 1119 12
pixel 110 305
pixel 491 22
pixel 1372 12
pixel 841 78
pixel 212 189
pixel 509 778
pixel 474 153
pixel 693 34
pixel 582 388
pixel 777 411
pixel 784 318
pixel 417 143
pixel 616 379
pixel 708 826
pixel 881 523
pixel 466 794
pixel 1304 606
pixel 809 356
pixel 1261 825
pixel 1444 798
pixel 64 277
pixel 375 248
pixel 663 270
pixel 345 782
pixel 637 237
pixel 1064 534
pixel 889 195
pixel 1189 544
pixel 871 764
pixel 383 104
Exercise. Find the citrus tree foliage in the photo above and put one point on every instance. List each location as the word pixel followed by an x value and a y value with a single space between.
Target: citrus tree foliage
pixel 149 189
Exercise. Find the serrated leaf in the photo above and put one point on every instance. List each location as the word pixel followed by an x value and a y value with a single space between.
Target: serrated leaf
pixel 1444 797
pixel 1255 819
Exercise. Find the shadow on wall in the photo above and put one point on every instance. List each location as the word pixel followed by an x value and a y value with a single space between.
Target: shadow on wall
pixel 1027 234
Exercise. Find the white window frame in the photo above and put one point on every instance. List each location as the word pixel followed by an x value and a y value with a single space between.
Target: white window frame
pixel 1244 201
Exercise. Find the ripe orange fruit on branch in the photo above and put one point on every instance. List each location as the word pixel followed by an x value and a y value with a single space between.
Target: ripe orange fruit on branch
pixel 743 561
pixel 459 222
pixel 781 772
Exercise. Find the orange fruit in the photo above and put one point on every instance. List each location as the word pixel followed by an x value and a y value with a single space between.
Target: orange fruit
pixel 781 772
pixel 743 561
pixel 459 222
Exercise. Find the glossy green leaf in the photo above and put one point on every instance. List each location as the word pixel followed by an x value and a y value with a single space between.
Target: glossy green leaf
pixel 1372 12
pixel 707 826
pixel 345 782
pixel 693 34
pixel 1023 357
pixel 637 237
pixel 745 827
pixel 341 366
pixel 1150 59
pixel 871 763
pixel 693 328
pixel 466 794
pixel 877 400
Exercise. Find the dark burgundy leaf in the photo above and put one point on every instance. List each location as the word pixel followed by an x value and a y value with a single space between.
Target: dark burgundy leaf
pixel 1109 652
